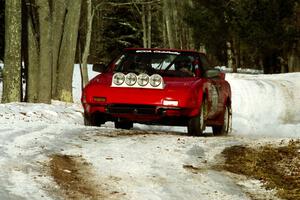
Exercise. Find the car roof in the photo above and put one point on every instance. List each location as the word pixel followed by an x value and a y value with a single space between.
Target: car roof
pixel 162 49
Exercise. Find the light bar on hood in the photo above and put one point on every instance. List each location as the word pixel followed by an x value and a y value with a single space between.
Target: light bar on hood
pixel 118 78
pixel 155 81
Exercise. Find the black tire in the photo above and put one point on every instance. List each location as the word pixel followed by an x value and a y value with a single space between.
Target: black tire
pixel 225 128
pixel 196 125
pixel 87 120
pixel 91 121
pixel 123 125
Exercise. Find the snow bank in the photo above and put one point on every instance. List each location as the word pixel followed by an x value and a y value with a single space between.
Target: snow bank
pixel 240 70
pixel 56 113
pixel 266 105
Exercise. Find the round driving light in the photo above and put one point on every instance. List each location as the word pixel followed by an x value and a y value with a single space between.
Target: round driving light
pixel 130 79
pixel 155 80
pixel 118 78
pixel 143 79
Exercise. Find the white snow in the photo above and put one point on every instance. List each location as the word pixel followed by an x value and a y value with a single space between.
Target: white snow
pixel 240 70
pixel 149 162
pixel 77 81
pixel 266 105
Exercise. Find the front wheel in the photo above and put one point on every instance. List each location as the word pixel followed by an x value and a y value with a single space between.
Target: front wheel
pixel 92 120
pixel 196 125
pixel 88 120
pixel 225 128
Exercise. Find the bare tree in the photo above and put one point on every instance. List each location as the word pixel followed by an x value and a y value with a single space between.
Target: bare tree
pixel 59 9
pixel 12 55
pixel 149 24
pixel 86 51
pixel 144 9
pixel 32 61
pixel 52 28
pixel 45 66
pixel 175 29
pixel 168 16
pixel 67 52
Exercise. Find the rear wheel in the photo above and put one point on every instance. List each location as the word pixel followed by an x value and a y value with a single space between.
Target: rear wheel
pixel 225 128
pixel 196 125
pixel 123 125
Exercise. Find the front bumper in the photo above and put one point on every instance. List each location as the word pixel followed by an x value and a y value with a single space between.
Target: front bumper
pixel 137 113
pixel 139 105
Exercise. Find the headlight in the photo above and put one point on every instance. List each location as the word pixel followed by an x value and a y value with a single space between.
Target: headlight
pixel 155 80
pixel 143 79
pixel 118 78
pixel 130 79
pixel 170 103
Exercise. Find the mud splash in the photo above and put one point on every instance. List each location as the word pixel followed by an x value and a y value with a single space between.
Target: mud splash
pixel 72 174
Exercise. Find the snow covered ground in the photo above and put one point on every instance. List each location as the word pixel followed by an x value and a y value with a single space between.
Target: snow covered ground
pixel 266 105
pixel 149 162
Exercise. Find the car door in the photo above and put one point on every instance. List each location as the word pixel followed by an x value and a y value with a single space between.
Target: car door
pixel 214 89
pixel 218 85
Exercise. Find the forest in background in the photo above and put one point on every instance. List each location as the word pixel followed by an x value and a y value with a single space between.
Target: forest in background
pixel 50 35
pixel 235 33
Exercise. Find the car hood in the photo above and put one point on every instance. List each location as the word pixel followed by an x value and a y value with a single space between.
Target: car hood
pixel 171 83
pixel 180 83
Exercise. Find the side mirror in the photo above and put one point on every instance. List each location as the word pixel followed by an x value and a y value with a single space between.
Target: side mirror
pixel 99 67
pixel 213 73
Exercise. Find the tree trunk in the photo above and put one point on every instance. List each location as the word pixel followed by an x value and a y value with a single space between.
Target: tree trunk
pixel 45 68
pixel 176 21
pixel 12 55
pixel 270 63
pixel 191 39
pixel 229 55
pixel 149 27
pixel 168 21
pixel 143 13
pixel 58 18
pixel 294 55
pixel 32 62
pixel 164 30
pixel 68 51
pixel 146 18
pixel 237 55
pixel 90 17
pixel 294 58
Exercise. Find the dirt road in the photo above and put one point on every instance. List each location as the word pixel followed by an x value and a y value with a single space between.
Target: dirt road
pixel 76 162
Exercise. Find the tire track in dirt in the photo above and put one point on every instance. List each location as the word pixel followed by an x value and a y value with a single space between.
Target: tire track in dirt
pixel 75 178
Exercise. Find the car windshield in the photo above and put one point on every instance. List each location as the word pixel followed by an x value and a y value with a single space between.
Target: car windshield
pixel 165 63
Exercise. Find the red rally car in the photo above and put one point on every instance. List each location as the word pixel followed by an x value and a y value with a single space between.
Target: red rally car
pixel 159 86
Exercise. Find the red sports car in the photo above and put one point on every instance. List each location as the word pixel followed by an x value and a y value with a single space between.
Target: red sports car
pixel 159 86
